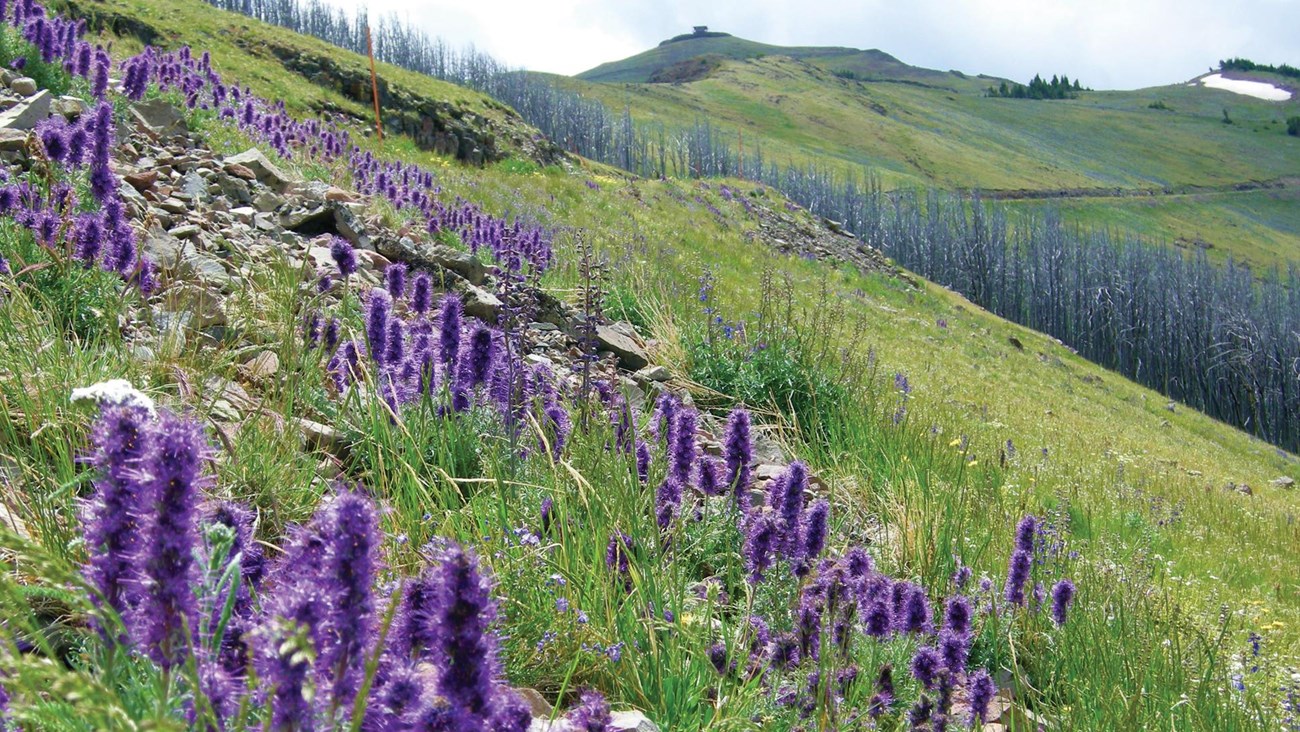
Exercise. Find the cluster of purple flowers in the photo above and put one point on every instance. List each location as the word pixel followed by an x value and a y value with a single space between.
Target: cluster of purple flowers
pixel 141 527
pixel 318 622
pixel 100 236
pixel 58 38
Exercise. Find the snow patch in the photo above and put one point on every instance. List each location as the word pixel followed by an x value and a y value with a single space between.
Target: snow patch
pixel 1257 89
pixel 118 392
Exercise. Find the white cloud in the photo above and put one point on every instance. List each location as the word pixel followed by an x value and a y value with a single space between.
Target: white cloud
pixel 1104 43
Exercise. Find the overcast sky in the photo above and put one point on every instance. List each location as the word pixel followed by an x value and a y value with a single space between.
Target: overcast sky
pixel 1107 44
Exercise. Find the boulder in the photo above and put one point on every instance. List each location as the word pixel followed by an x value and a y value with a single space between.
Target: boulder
pixel 203 308
pixel 621 340
pixel 267 172
pixel 261 367
pixel 424 255
pixel 69 107
pixel 479 303
pixel 158 119
pixel 1284 481
pixel 23 86
pixel 12 140
pixel 25 116
pixel 141 180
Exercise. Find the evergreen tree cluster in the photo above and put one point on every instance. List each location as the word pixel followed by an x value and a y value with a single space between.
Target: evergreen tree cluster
pixel 1060 87
pixel 1243 64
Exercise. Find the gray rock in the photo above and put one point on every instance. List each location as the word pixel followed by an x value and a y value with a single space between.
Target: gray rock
pixel 26 115
pixel 479 303
pixel 261 367
pixel 12 140
pixel 201 307
pixel 631 722
pixel 424 255
pixel 1284 481
pixel 185 231
pixel 23 85
pixel 537 704
pixel 244 214
pixel 267 202
pixel 267 172
pixel 164 250
pixel 236 190
pixel 653 373
pixel 205 268
pixel 322 437
pixel 70 108
pixel 192 186
pixel 621 340
pixel 158 119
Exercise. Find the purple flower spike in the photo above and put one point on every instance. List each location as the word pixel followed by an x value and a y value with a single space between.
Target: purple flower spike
pixel 739 450
pixel 121 439
pixel 761 538
pixel 957 615
pixel 378 313
pixel 981 690
pixel 449 329
pixel 167 614
pixel 813 536
pixel 344 256
pixel 349 572
pixel 464 651
pixel 926 665
pixel 395 279
pixel 422 294
pixel 1026 531
pixel 1017 576
pixel 1062 599
pixel 591 714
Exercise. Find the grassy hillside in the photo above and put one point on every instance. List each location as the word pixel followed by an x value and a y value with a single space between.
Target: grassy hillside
pixel 935 428
pixel 1104 142
pixel 867 64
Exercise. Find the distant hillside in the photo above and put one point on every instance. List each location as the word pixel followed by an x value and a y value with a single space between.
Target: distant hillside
pixel 872 64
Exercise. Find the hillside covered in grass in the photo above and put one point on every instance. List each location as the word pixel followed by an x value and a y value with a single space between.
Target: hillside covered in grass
pixel 411 443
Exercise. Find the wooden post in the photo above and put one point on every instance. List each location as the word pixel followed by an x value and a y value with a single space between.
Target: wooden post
pixel 374 84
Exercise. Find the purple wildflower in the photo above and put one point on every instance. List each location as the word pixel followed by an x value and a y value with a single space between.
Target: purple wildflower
pixel 591 714
pixel 344 256
pixel 481 356
pixel 167 613
pixel 957 615
pixel 449 329
pixel 642 461
pixel 926 665
pixel 1062 599
pixel 378 313
pixel 883 699
pixel 668 500
pixel 465 652
pixel 349 574
pixel 617 557
pixel 421 294
pixel 683 446
pixel 761 537
pixel 1025 533
pixel 916 610
pixel 738 449
pixel 981 689
pixel 813 536
pixel 395 279
pixel 954 648
pixel 1017 576
pixel 113 518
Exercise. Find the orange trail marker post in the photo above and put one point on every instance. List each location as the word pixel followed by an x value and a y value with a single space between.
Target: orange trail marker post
pixel 374 84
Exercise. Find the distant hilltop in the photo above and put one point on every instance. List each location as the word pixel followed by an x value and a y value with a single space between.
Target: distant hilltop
pixel 699 31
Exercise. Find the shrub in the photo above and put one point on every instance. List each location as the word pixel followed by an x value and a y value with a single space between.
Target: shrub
pixel 1293 126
